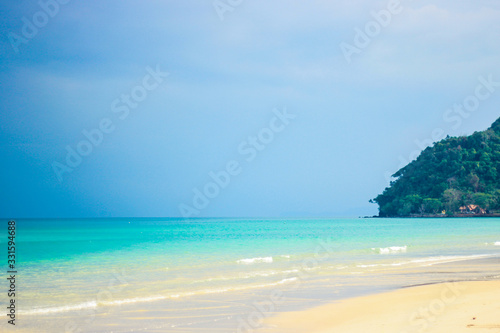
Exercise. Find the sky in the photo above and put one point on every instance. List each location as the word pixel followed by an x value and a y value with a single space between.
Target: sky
pixel 232 108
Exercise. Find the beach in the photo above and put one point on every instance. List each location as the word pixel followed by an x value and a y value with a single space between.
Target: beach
pixel 466 300
pixel 246 275
pixel 458 307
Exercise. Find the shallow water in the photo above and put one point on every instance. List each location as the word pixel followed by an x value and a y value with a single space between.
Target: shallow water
pixel 130 275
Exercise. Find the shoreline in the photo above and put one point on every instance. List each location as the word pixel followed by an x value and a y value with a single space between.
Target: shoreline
pixel 448 305
pixel 434 308
pixel 229 275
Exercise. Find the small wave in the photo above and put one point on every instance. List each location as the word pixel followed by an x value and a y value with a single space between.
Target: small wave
pixel 496 243
pixel 81 306
pixel 341 267
pixel 246 276
pixel 255 260
pixel 94 304
pixel 429 261
pixel 446 259
pixel 391 249
pixel 368 266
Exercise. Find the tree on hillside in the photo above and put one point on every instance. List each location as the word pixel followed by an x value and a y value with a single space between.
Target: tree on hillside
pixel 454 172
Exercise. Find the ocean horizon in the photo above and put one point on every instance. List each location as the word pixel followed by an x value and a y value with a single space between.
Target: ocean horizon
pixel 80 275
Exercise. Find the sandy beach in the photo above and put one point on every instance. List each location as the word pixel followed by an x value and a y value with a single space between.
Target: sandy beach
pixel 472 306
pixel 244 276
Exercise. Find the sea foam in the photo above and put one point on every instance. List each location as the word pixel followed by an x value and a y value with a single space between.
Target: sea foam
pixel 391 249
pixel 429 261
pixel 95 305
pixel 255 260
pixel 73 307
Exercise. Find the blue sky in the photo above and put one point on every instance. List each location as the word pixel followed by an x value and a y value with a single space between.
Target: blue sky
pixel 356 117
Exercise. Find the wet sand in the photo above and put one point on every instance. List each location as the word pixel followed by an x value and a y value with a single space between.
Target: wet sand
pixel 469 306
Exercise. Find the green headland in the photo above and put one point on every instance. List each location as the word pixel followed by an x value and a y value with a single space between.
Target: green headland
pixel 457 176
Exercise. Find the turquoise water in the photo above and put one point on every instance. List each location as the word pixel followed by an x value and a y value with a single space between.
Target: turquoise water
pixel 77 264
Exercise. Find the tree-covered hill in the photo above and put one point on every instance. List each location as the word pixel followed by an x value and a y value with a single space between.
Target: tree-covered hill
pixel 458 175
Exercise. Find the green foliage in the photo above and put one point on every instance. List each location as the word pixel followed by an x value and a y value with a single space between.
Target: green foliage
pixel 454 172
pixel 452 199
pixel 483 200
pixel 432 206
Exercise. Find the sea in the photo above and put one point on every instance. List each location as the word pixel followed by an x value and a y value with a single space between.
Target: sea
pixel 226 274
